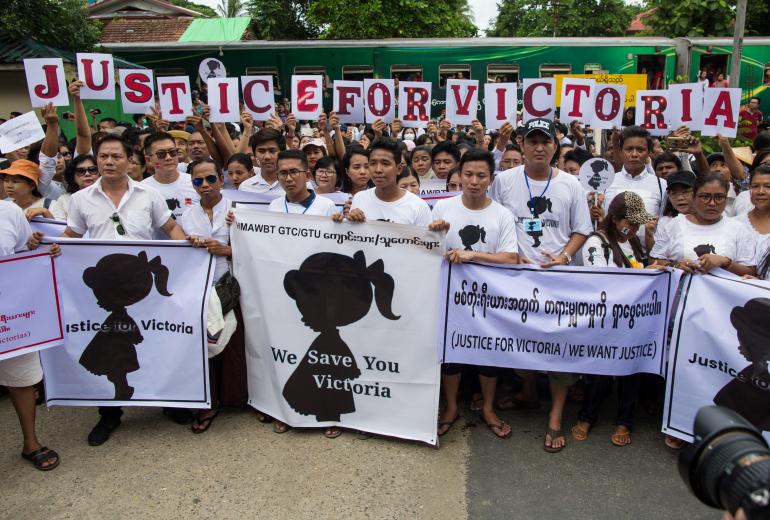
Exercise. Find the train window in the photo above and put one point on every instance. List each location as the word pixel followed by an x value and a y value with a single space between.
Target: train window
pixel 766 77
pixel 313 71
pixel 549 70
pixel 406 72
pixel 169 72
pixel 446 72
pixel 503 73
pixel 654 65
pixel 267 71
pixel 593 68
pixel 357 72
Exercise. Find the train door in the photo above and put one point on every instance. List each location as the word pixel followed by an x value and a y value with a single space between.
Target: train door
pixel 714 65
pixel 654 66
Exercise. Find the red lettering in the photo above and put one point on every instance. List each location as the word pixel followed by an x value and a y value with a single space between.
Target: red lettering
pixel 686 101
pixel 139 88
pixel 386 100
pixel 615 104
pixel 654 112
pixel 722 107
pixel 578 91
pixel 175 88
pixel 462 106
pixel 223 106
pixel 88 74
pixel 528 96
pixel 50 82
pixel 306 94
pixel 500 103
pixel 415 108
pixel 347 98
pixel 248 98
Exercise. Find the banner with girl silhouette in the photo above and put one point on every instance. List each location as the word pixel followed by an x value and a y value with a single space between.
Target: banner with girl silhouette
pixel 340 322
pixel 719 352
pixel 135 317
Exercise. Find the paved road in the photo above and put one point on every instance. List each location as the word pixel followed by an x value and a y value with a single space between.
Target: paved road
pixel 153 468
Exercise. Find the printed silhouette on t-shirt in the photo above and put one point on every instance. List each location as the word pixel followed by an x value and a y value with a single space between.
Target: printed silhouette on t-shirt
pixel 591 254
pixel 471 234
pixel 332 290
pixel 173 203
pixel 704 249
pixel 538 206
pixel 118 281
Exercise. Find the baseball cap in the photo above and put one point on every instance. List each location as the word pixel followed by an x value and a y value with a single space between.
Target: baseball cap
pixel 681 177
pixel 539 124
pixel 314 142
pixel 715 157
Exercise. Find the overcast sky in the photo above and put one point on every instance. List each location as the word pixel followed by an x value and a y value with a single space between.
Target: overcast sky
pixel 484 11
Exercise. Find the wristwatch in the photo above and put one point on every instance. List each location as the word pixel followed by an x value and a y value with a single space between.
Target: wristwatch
pixel 569 258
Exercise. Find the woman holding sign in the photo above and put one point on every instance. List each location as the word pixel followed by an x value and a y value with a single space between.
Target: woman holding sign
pixel 478 229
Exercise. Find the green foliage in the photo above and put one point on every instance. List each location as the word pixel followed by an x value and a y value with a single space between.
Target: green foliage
pixel 711 144
pixel 230 8
pixel 705 18
pixel 202 9
pixel 537 18
pixel 63 24
pixel 281 20
pixel 343 19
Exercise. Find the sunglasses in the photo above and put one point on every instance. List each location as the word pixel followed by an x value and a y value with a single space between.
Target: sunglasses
pixel 81 171
pixel 118 225
pixel 161 154
pixel 210 179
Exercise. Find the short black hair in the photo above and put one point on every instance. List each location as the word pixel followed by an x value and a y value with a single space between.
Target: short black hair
pixel 578 155
pixel 242 159
pixel 762 169
pixel 197 162
pixel 351 151
pixel 702 180
pixel 476 155
pixel 265 136
pixel 156 137
pixel 667 157
pixel 293 154
pixel 109 120
pixel 69 171
pixel 389 145
pixel 636 131
pixel 752 98
pixel 111 138
pixel 446 147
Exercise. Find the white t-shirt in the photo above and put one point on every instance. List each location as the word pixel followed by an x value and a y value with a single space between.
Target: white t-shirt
pixel 195 222
pixel 680 239
pixel 742 204
pixel 488 230
pixel 60 206
pixel 562 208
pixel 409 209
pixel 14 228
pixel 743 218
pixel 141 212
pixel 320 206
pixel 258 184
pixel 592 254
pixel 651 188
pixel 179 194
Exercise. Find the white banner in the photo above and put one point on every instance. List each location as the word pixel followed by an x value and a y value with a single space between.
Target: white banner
pixel 135 317
pixel 340 322
pixel 19 132
pixel 719 352
pixel 29 305
pixel 567 319
pixel 48 227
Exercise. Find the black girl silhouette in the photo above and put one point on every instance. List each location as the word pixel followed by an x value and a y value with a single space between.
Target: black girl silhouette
pixel 120 280
pixel 596 179
pixel 538 206
pixel 213 65
pixel 749 392
pixel 704 249
pixel 471 234
pixel 332 290
pixel 591 254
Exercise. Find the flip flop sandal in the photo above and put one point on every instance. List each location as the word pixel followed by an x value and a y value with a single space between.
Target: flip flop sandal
pixel 621 439
pixel 578 433
pixel 40 457
pixel 203 424
pixel 555 434
pixel 500 427
pixel 674 443
pixel 448 425
pixel 279 427
pixel 332 432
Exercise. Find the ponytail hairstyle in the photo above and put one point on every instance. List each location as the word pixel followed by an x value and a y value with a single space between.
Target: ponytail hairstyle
pixel 119 280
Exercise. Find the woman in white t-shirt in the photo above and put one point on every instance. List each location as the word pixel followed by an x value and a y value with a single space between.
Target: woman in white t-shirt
pixel 706 239
pixel 679 200
pixel 80 173
pixel 478 229
pixel 758 219
pixel 615 244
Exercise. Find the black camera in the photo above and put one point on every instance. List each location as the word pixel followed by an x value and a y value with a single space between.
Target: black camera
pixel 728 464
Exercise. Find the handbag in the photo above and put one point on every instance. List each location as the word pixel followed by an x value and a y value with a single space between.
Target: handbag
pixel 229 292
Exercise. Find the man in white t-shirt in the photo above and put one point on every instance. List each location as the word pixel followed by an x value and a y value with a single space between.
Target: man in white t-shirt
pixel 267 143
pixel 293 174
pixel 478 229
pixel 552 223
pixel 386 201
pixel 161 152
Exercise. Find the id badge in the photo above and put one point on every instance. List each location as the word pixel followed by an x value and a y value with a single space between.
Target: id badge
pixel 533 225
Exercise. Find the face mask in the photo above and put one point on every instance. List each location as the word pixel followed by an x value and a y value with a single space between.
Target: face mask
pixel 408 137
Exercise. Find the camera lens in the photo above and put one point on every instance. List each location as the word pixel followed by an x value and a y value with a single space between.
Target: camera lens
pixel 728 464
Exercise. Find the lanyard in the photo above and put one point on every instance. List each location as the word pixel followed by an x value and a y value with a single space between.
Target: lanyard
pixel 312 200
pixel 531 202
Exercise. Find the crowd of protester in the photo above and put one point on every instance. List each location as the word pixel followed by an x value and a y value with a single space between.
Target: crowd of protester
pixel 151 179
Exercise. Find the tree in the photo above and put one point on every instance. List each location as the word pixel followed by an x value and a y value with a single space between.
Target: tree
pixel 705 18
pixel 202 9
pixel 230 8
pixel 281 20
pixel 63 24
pixel 343 19
pixel 538 18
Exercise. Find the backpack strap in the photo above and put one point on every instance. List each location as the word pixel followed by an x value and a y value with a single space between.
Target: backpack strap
pixel 608 249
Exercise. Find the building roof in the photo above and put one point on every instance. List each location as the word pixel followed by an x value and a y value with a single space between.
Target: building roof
pixel 15 51
pixel 216 30
pixel 139 9
pixel 144 30
pixel 637 24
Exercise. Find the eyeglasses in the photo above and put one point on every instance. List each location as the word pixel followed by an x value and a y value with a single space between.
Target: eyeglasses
pixel 210 179
pixel 81 170
pixel 118 225
pixel 285 173
pixel 327 173
pixel 171 152
pixel 682 194
pixel 717 198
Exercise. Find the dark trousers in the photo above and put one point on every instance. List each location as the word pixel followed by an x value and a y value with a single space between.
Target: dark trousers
pixel 110 413
pixel 600 387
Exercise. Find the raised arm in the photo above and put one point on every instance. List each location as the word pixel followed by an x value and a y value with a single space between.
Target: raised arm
pixel 82 129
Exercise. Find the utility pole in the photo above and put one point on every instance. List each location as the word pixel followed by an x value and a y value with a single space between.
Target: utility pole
pixel 740 22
